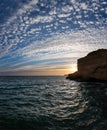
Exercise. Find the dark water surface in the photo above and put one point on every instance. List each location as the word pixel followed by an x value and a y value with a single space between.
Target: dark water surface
pixel 52 103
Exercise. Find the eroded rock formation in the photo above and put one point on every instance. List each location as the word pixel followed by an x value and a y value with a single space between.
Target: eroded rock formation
pixel 92 67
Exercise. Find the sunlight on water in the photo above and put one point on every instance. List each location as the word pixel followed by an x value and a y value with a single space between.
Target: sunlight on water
pixel 51 103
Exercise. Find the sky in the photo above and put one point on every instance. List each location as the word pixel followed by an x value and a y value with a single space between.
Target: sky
pixel 46 37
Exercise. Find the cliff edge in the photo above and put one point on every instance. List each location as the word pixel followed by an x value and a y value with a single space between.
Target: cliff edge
pixel 92 67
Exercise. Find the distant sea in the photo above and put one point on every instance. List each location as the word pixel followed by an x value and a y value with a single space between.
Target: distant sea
pixel 52 103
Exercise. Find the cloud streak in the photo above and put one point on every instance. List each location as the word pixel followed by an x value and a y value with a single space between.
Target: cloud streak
pixel 45 32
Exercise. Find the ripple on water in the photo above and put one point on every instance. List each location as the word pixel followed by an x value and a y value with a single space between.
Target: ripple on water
pixel 51 103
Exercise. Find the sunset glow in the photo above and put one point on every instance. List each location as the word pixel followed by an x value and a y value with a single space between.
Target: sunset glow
pixel 36 35
pixel 73 68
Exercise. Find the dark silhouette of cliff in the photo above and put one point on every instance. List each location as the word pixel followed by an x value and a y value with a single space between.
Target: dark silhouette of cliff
pixel 92 67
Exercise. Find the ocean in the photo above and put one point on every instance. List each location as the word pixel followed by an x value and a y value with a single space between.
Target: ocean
pixel 52 103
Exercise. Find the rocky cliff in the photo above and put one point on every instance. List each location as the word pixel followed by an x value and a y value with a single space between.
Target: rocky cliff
pixel 92 67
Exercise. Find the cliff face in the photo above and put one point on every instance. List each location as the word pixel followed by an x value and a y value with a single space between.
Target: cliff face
pixel 92 67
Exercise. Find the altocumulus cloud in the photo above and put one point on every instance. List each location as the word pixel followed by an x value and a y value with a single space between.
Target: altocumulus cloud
pixel 40 34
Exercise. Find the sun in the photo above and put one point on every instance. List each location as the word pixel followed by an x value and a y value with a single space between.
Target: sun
pixel 73 68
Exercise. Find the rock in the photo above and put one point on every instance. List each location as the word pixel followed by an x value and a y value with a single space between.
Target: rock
pixel 92 67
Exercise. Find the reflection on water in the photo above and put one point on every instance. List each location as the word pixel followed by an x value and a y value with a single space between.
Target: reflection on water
pixel 52 103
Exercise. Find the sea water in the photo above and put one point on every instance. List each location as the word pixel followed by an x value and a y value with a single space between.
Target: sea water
pixel 52 103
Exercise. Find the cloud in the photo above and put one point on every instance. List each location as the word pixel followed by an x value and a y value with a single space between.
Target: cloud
pixel 60 49
pixel 83 6
pixel 42 32
pixel 4 50
pixel 41 19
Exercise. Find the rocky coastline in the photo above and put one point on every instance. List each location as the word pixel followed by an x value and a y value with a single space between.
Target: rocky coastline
pixel 92 67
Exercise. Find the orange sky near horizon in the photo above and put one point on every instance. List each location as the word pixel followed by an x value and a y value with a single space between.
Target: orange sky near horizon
pixel 55 71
